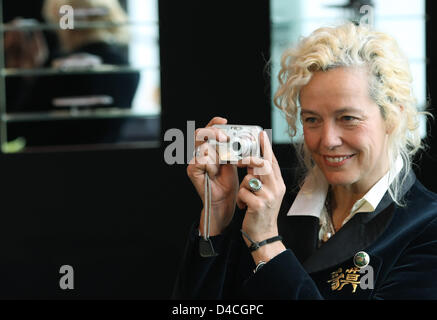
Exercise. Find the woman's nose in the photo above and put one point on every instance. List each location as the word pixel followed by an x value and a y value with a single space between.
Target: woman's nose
pixel 331 136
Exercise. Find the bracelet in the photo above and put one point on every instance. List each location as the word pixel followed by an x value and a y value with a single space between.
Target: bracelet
pixel 256 245
pixel 259 266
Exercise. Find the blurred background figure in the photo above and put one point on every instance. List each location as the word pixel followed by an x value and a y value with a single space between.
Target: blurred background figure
pixel 100 39
pixel 109 42
pixel 89 46
pixel 88 68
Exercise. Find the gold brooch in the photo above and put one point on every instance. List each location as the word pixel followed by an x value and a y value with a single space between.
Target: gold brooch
pixel 339 278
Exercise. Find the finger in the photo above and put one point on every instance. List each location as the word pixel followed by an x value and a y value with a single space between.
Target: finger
pixel 245 184
pixel 249 170
pixel 205 134
pixel 206 154
pixel 251 162
pixel 210 133
pixel 245 198
pixel 266 148
pixel 204 164
pixel 244 164
pixel 212 170
pixel 217 120
pixel 267 152
pixel 258 167
pixel 241 204
pixel 203 150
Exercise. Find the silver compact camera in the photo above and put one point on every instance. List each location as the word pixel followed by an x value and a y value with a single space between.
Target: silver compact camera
pixel 243 142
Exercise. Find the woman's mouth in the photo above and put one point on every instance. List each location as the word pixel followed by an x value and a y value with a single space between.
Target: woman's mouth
pixel 337 161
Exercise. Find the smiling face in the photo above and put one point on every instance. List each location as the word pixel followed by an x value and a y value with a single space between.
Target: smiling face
pixel 344 129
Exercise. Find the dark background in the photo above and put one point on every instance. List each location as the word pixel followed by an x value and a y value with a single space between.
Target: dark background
pixel 120 218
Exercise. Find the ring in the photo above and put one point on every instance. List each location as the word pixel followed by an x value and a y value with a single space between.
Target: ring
pixel 255 184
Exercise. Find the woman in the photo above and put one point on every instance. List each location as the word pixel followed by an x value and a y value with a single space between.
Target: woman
pixel 361 226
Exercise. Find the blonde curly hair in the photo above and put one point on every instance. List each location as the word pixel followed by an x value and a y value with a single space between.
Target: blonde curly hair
pixel 390 85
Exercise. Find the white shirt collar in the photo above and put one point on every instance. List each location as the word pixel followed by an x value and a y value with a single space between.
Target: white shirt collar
pixel 312 195
pixel 374 196
pixel 310 201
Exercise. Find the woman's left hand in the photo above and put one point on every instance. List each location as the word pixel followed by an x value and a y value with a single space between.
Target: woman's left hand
pixel 263 205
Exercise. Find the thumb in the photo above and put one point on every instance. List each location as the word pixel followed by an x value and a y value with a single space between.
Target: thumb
pixel 240 203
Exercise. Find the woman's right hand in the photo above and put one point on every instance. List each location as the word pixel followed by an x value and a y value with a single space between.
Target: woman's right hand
pixel 223 177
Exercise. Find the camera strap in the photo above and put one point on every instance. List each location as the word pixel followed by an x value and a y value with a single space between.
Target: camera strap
pixel 206 248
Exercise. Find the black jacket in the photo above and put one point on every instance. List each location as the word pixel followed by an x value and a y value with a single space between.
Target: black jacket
pixel 401 243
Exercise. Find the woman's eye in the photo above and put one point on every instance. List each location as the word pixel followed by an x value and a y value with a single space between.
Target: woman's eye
pixel 310 120
pixel 348 118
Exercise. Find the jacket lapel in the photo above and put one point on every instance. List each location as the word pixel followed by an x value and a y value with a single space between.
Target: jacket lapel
pixel 300 234
pixel 354 236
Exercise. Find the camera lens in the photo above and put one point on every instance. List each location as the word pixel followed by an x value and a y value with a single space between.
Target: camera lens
pixel 245 146
pixel 236 146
